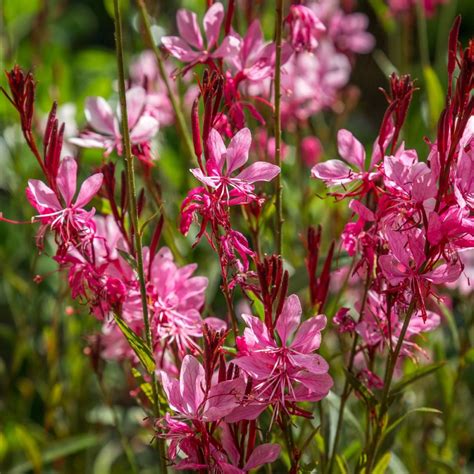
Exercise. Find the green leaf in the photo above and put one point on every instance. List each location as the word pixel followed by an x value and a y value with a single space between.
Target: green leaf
pixel 341 465
pixel 414 376
pixel 128 258
pixel 137 344
pixel 435 94
pixel 382 465
pixel 365 392
pixel 144 386
pixel 60 450
pixel 397 422
pixel 257 306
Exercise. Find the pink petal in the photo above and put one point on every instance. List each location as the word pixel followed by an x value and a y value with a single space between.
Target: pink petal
pixel 188 28
pixel 42 196
pixel 66 180
pixel 318 384
pixel 263 454
pixel 257 332
pixel 392 269
pixel 228 49
pixel 259 171
pixel 333 172
pixel 308 336
pixel 289 318
pixel 179 49
pixel 198 174
pixel 136 99
pixel 223 398
pixel 212 23
pixel 90 140
pixel 238 150
pixel 228 444
pixel 217 148
pixel 89 189
pixel 313 363
pixel 351 149
pixel 99 115
pixel 145 129
pixel 445 273
pixel 257 366
pixel 191 383
pixel 248 412
pixel 171 389
pixel 253 39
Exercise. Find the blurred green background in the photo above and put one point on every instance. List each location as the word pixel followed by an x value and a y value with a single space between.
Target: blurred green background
pixel 56 413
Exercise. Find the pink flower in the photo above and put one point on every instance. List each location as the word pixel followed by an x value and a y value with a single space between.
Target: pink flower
pixel 286 370
pixel 337 172
pixel 189 47
pixel 250 57
pixel 377 327
pixel 105 125
pixel 190 397
pixel 305 28
pixel 311 151
pixel 68 218
pixel 223 162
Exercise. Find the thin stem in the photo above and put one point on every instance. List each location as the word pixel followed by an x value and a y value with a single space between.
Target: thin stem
pixel 118 426
pixel 180 121
pixel 132 196
pixel 384 404
pixel 277 123
pixel 347 386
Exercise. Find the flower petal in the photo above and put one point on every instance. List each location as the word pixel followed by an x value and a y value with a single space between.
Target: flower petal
pixel 188 28
pixel 144 130
pixel 308 336
pixel 89 189
pixel 99 115
pixel 136 99
pixel 263 454
pixel 289 318
pixel 42 197
pixel 212 23
pixel 66 180
pixel 259 171
pixel 238 150
pixel 179 49
pixel 333 172
pixel 191 383
pixel 217 148
pixel 351 149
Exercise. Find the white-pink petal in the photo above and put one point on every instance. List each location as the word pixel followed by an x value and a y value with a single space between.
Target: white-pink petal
pixel 238 150
pixel 43 195
pixel 145 129
pixel 259 171
pixel 289 318
pixel 351 149
pixel 188 28
pixel 136 99
pixel 66 180
pixel 89 189
pixel 212 23
pixel 99 115
pixel 178 48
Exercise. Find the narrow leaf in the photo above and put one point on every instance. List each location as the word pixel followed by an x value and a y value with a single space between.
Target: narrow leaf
pixel 137 344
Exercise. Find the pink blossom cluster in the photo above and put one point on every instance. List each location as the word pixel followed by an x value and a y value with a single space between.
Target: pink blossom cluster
pixel 409 235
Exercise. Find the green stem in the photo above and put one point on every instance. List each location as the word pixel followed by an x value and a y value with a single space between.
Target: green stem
pixel 118 426
pixel 180 122
pixel 132 197
pixel 384 404
pixel 277 123
pixel 347 386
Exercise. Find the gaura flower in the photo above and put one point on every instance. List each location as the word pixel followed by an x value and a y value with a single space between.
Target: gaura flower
pixel 224 161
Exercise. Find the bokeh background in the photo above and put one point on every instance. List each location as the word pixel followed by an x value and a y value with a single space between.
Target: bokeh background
pixel 57 407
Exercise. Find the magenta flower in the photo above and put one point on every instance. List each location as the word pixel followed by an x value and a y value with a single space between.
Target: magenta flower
pixel 286 370
pixel 305 28
pixel 105 125
pixel 190 397
pixel 67 218
pixel 337 172
pixel 251 57
pixel 223 162
pixel 377 327
pixel 189 47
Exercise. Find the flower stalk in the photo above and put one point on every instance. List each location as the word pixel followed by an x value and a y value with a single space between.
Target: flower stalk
pixel 277 126
pixel 132 197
